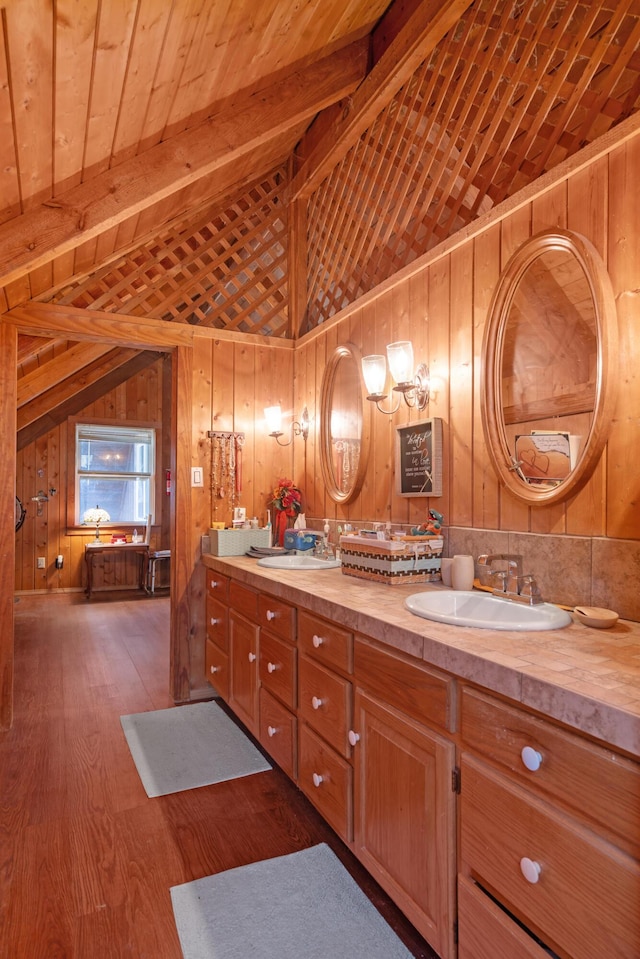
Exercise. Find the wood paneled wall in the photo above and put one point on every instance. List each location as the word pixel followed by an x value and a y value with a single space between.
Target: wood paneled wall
pixel 442 306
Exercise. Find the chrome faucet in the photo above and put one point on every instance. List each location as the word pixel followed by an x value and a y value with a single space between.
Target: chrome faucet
pixel 503 572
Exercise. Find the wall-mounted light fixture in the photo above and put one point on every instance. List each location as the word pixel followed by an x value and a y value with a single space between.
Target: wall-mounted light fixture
pixel 412 382
pixel 95 516
pixel 273 416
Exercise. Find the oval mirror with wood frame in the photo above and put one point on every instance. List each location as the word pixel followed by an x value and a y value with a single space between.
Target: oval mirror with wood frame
pixel 344 424
pixel 549 363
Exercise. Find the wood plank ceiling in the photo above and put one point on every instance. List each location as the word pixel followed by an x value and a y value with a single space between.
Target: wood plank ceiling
pixel 150 153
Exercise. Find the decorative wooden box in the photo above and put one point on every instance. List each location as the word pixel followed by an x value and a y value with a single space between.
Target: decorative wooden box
pixel 397 562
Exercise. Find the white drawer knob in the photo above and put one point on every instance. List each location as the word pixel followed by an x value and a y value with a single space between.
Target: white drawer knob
pixel 317 779
pixel 270 614
pixel 316 702
pixel 271 730
pixel 214 584
pixel 531 758
pixel 213 621
pixel 353 737
pixel 317 641
pixel 213 669
pixel 530 869
pixel 271 667
pixel 252 657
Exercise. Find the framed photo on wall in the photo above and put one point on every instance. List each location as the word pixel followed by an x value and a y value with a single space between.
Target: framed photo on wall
pixel 419 458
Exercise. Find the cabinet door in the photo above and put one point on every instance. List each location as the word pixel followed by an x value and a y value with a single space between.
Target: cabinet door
pixel 404 816
pixel 243 692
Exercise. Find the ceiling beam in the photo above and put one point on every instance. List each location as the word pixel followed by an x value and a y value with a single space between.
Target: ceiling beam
pixel 52 373
pixel 140 332
pixel 55 407
pixel 405 37
pixel 60 225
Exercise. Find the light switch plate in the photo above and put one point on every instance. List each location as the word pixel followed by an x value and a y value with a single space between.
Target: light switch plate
pixel 197 477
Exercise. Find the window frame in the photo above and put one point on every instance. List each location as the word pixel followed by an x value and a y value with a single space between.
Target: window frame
pixel 74 523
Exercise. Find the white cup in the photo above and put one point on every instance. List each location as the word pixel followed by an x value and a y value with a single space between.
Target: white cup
pixel 445 570
pixel 463 572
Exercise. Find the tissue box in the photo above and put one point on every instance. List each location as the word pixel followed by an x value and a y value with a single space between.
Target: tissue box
pixel 413 559
pixel 235 542
pixel 300 539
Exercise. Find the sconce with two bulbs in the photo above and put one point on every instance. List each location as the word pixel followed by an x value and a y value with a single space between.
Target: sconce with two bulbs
pixel 412 382
pixel 273 416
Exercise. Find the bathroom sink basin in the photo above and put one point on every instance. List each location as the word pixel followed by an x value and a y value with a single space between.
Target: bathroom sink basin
pixel 297 562
pixel 484 610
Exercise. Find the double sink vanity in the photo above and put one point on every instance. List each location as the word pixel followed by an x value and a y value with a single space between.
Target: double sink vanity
pixel 487 778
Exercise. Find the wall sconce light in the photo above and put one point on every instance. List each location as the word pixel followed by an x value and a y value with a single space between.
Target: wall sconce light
pixel 95 516
pixel 273 416
pixel 412 382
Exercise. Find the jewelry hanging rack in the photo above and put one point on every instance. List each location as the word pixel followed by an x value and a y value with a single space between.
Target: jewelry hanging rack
pixel 226 466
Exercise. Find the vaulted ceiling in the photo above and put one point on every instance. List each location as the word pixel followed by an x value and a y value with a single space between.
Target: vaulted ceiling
pixel 150 152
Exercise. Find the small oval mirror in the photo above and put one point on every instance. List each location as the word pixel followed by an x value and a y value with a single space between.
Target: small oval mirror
pixel 344 428
pixel 549 360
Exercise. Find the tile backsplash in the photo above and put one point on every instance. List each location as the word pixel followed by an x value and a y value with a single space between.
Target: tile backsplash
pixel 571 570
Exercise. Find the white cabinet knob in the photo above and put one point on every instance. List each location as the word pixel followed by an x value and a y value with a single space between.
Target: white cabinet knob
pixel 213 621
pixel 213 669
pixel 317 641
pixel 530 869
pixel 214 584
pixel 317 779
pixel 252 657
pixel 270 614
pixel 271 667
pixel 353 737
pixel 271 730
pixel 531 758
pixel 316 702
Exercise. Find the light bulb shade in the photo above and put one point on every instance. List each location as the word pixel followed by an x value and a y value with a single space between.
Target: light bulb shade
pixel 273 417
pixel 95 516
pixel 374 371
pixel 400 356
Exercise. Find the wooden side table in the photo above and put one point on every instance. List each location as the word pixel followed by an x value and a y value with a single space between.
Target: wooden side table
pixel 91 550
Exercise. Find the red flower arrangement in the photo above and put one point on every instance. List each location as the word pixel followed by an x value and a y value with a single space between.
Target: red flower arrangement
pixel 287 500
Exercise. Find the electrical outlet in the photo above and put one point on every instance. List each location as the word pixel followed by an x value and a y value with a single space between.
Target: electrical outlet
pixel 42 563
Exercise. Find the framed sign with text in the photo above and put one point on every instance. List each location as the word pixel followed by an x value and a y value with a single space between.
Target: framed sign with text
pixel 419 458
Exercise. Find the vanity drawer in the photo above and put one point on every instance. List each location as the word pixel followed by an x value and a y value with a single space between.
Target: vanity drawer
pixel 217 668
pixel 486 932
pixel 588 778
pixel 278 617
pixel 217 585
pixel 327 780
pixel 244 600
pixel 324 702
pixel 217 623
pixel 585 902
pixel 325 642
pixel 278 668
pixel 278 733
pixel 416 690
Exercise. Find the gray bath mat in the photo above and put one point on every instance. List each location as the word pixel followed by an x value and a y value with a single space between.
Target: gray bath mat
pixel 301 906
pixel 189 746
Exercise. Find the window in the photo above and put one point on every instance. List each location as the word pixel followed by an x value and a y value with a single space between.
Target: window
pixel 115 469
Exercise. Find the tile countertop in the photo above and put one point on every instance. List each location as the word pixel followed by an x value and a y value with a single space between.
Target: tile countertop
pixel 583 677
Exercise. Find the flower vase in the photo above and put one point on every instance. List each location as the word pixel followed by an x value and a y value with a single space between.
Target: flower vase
pixel 282 524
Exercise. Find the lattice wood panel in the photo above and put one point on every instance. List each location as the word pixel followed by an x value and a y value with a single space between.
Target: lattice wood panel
pixel 227 270
pixel 513 90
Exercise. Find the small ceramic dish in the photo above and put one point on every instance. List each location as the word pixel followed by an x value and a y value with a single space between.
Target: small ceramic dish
pixel 595 616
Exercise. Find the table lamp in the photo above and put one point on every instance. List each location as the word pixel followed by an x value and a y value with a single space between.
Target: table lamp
pixel 95 516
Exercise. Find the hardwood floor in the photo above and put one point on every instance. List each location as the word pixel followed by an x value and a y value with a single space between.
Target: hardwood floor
pixel 86 859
